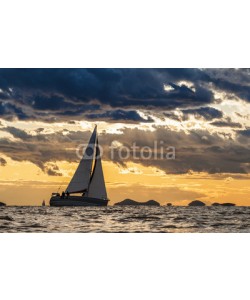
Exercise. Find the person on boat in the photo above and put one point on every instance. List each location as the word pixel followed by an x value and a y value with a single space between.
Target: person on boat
pixel 63 194
pixel 67 194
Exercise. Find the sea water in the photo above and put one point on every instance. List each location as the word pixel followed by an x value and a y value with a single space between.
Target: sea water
pixel 124 219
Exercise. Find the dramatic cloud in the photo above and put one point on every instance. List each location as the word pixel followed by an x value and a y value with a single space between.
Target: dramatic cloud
pixel 196 150
pixel 189 109
pixel 245 133
pixel 227 123
pixel 119 115
pixel 55 94
pixel 208 113
pixel 3 162
pixel 42 149
pixel 205 113
pixel 31 93
pixel 232 81
pixel 52 169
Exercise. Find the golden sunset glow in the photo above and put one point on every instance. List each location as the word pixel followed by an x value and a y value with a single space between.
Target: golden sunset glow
pixel 135 181
pixel 206 122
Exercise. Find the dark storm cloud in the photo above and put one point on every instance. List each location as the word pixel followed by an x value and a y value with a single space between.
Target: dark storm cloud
pixel 17 133
pixel 42 148
pixel 68 91
pixel 205 113
pixel 227 123
pixel 196 150
pixel 119 115
pixel 8 111
pixel 4 96
pixel 245 133
pixel 53 102
pixel 235 81
pixel 208 113
pixel 115 95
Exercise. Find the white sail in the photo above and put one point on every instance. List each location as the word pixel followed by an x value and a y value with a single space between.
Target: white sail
pixel 97 188
pixel 80 181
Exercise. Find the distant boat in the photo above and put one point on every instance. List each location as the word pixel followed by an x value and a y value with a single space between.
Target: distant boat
pixel 43 203
pixel 88 180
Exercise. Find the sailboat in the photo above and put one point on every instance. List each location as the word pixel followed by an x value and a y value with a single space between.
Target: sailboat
pixel 87 186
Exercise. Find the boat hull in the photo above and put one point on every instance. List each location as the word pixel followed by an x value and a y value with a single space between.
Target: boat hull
pixel 77 201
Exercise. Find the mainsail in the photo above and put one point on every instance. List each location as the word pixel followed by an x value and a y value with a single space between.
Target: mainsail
pixel 80 181
pixel 97 188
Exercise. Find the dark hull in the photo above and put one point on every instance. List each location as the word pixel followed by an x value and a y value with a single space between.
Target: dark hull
pixel 77 201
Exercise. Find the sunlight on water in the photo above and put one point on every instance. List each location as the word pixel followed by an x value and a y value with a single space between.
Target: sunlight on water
pixel 125 219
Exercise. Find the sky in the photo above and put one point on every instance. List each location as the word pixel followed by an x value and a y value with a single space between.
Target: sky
pixel 203 114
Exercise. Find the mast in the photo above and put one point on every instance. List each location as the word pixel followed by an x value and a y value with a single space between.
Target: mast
pixel 97 188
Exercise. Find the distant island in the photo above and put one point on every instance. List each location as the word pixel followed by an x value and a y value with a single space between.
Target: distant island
pixel 2 204
pixel 155 203
pixel 133 202
pixel 196 203
pixel 200 203
pixel 223 204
